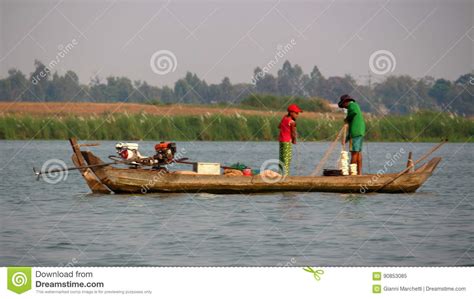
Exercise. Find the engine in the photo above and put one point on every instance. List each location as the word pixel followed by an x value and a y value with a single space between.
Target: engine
pixel 165 152
pixel 128 151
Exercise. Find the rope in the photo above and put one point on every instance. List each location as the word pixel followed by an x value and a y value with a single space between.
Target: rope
pixel 328 152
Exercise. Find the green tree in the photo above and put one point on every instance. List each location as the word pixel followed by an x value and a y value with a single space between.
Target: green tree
pixel 334 87
pixel 226 90
pixel 39 81
pixel 264 82
pixel 460 97
pixel 316 82
pixel 97 90
pixel 191 89
pixel 145 93
pixel 290 80
pixel 440 90
pixel 13 87
pixel 119 89
pixel 398 94
pixel 167 95
pixel 465 79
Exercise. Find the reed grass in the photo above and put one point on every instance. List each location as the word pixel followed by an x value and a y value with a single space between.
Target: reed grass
pixel 423 126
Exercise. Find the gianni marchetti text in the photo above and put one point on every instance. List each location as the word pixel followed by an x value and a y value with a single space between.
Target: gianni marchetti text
pixel 61 274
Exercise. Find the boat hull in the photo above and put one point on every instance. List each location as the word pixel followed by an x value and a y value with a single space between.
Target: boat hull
pixel 121 180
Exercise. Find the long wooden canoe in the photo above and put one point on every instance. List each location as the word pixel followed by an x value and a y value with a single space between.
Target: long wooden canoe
pixel 131 180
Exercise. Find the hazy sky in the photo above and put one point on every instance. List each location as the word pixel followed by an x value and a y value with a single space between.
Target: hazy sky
pixel 230 38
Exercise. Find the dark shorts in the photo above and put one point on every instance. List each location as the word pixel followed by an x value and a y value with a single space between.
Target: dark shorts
pixel 355 143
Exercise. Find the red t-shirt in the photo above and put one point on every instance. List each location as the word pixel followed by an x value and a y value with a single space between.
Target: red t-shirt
pixel 285 129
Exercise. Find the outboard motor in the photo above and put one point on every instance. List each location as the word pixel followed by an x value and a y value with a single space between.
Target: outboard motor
pixel 165 152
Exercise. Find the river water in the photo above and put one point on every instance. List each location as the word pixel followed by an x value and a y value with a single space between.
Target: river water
pixel 44 224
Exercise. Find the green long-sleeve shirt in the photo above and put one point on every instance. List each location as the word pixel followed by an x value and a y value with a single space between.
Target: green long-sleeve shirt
pixel 355 120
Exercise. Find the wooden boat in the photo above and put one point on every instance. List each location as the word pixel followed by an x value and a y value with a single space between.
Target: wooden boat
pixel 139 180
pixel 92 181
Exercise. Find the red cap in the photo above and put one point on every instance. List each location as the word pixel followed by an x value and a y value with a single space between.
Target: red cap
pixel 294 108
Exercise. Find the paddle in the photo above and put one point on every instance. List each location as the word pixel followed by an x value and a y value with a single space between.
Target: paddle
pixel 40 173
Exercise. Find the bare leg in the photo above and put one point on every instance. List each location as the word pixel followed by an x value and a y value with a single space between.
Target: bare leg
pixel 354 158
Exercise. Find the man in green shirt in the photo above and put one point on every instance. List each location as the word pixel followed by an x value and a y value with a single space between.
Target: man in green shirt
pixel 356 123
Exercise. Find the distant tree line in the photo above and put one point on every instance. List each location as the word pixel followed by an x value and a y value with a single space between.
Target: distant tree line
pixel 395 94
pixel 279 103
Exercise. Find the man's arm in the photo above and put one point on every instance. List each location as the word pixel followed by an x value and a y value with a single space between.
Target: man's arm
pixel 350 114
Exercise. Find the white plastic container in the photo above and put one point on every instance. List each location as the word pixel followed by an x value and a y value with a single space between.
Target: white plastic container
pixel 344 163
pixel 207 168
pixel 353 169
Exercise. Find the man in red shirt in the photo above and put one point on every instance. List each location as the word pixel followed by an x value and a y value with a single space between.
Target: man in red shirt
pixel 287 137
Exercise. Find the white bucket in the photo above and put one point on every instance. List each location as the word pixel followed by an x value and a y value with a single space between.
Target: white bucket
pixel 344 163
pixel 353 169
